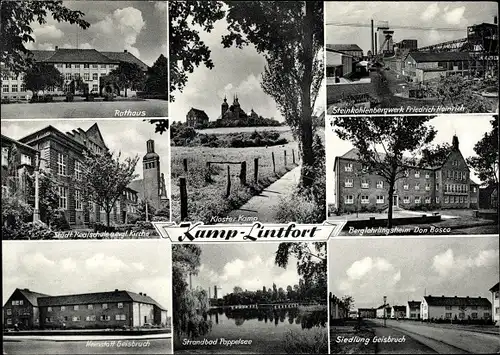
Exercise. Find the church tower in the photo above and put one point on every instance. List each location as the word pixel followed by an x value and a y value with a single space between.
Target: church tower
pixel 151 175
pixel 236 107
pixel 224 107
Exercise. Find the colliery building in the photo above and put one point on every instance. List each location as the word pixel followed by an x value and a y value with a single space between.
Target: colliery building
pixel 422 67
pixel 445 185
pixel 116 309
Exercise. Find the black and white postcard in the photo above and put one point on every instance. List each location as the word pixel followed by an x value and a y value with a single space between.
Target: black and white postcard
pixel 416 58
pixel 87 297
pixel 426 295
pixel 81 179
pixel 84 59
pixel 406 175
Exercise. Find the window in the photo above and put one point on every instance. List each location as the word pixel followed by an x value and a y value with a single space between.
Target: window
pixel 427 176
pixel 9 321
pixel 105 318
pixel 349 200
pixel 26 159
pixel 448 315
pixel 427 200
pixel 86 76
pixel 348 183
pixel 9 311
pixel 78 202
pixel 63 197
pixel 23 88
pixel 348 167
pixel 364 184
pixel 63 308
pixel 76 318
pixel 104 306
pixel 78 170
pixel 461 315
pixel 406 199
pixel 486 315
pixel 486 308
pixel 5 88
pixel 68 65
pixel 406 186
pixel 380 199
pixel 59 65
pixel 446 200
pixel 68 76
pixel 95 87
pixel 77 65
pixel 437 199
pixel 48 320
pixel 417 186
pixel 91 318
pixel 90 306
pixel 95 76
pixel 497 310
pixel 61 164
pixel 380 184
pixel 417 174
pixel 86 66
pixel 76 307
pixel 427 187
pixel 417 200
pixel 120 317
pixel 76 76
pixel 103 66
pixel 14 88
pixel 437 187
pixel 49 309
pixel 120 305
pixel 365 200
pixel 94 66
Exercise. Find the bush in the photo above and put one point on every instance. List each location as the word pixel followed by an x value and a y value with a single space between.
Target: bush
pixel 310 341
pixel 144 225
pixel 132 218
pixel 102 228
pixel 28 231
pixel 69 97
pixel 59 222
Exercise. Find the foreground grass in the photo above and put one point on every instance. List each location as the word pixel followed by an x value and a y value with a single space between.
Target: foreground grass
pixel 348 331
pixel 208 199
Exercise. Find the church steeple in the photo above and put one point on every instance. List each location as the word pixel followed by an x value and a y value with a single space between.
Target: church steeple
pixel 224 107
pixel 454 142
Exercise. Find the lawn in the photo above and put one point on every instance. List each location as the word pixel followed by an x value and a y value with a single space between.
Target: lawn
pixel 208 199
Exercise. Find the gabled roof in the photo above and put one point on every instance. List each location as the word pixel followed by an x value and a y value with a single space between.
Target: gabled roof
pixel 199 113
pixel 97 297
pixel 457 301
pixel 126 57
pixel 382 306
pixel 421 57
pixel 399 308
pixel 73 55
pixel 495 288
pixel 414 304
pixel 13 141
pixel 344 47
pixel 31 296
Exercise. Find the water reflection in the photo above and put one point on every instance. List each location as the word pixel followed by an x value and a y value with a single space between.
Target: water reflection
pixel 306 319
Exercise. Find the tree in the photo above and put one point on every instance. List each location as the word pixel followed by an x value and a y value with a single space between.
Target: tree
pixel 104 178
pixel 127 75
pixel 311 258
pixel 42 76
pixel 17 17
pixel 141 210
pixel 237 289
pixel 290 36
pixel 486 162
pixel 157 78
pixel 186 49
pixel 347 302
pixel 455 90
pixel 386 147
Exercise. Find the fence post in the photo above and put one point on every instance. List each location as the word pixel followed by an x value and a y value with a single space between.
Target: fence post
pixel 243 173
pixel 228 191
pixel 274 163
pixel 185 163
pixel 208 177
pixel 184 199
pixel 256 169
pixel 285 157
pixel 293 156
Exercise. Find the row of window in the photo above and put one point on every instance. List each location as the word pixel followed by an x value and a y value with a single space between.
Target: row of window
pixel 456 199
pixel 13 88
pixel 17 302
pixel 86 65
pixel 474 308
pixel 76 307
pixel 349 168
pixel 76 76
pixel 150 165
pixel 462 188
pixel 349 199
pixel 457 175
pixel 365 200
pixel 462 315
pixel 365 184
pixel 25 159
pixel 91 318
pixel 62 165
pixel 78 196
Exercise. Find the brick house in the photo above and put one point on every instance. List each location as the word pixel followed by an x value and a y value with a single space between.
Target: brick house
pixel 114 309
pixel 446 185
pixel 196 117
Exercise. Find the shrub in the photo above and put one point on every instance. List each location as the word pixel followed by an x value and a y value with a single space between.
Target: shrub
pixel 28 231
pixel 144 225
pixel 102 228
pixel 58 221
pixel 310 341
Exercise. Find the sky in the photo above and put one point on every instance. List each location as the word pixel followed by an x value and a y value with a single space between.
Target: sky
pixel 469 130
pixel 435 15
pixel 141 27
pixel 127 136
pixel 50 267
pixel 407 268
pixel 236 72
pixel 249 266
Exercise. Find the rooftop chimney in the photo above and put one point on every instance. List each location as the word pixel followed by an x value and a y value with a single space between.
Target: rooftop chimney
pixel 125 51
pixel 116 290
pixel 144 294
pixel 26 289
pixel 140 293
pixel 57 47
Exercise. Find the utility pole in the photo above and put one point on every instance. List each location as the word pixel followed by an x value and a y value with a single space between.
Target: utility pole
pixel 385 309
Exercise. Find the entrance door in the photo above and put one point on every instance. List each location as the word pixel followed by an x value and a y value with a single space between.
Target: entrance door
pixel 394 200
pixel 145 319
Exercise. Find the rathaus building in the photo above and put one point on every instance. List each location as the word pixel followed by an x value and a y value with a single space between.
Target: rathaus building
pixel 446 185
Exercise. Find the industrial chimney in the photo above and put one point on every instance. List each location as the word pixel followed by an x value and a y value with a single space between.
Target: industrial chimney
pixel 372 34
pixel 215 291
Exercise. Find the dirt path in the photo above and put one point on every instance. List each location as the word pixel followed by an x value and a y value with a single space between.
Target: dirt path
pixel 263 206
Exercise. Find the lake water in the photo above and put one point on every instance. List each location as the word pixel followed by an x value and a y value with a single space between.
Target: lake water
pixel 265 328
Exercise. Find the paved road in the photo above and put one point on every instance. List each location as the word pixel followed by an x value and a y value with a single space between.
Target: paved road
pixel 39 347
pixel 263 206
pixel 409 346
pixel 84 109
pixel 445 340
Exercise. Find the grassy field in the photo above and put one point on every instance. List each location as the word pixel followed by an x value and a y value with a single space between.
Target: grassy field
pixel 207 199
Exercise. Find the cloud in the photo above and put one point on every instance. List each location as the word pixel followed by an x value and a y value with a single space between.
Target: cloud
pixel 101 262
pixel 68 265
pixel 446 263
pixel 455 16
pixel 361 267
pixel 237 267
pixel 430 12
pixel 161 6
pixel 37 261
pixel 48 32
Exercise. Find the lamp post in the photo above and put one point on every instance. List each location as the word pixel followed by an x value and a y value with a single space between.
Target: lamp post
pixel 385 309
